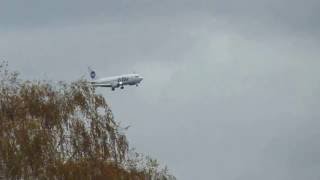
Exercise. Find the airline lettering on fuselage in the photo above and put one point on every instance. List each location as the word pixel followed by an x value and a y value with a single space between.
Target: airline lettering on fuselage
pixel 123 79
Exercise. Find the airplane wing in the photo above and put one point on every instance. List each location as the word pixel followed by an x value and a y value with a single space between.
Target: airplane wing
pixel 102 85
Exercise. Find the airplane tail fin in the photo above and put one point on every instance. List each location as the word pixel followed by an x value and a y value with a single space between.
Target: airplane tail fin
pixel 92 73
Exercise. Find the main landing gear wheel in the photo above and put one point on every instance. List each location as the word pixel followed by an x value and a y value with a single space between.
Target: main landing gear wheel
pixel 121 87
pixel 113 89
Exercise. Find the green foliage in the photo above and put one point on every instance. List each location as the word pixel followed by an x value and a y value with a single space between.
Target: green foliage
pixel 62 131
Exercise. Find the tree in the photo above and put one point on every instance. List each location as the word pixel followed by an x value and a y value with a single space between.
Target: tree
pixel 61 131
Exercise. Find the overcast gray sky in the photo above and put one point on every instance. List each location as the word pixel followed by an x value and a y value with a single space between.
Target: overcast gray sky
pixel 231 88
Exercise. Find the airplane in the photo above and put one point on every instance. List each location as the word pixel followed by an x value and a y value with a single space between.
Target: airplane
pixel 115 81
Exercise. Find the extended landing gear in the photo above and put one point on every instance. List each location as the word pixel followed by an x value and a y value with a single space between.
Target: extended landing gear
pixel 121 87
pixel 113 89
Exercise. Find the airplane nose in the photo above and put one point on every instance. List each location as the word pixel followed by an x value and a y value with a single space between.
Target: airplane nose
pixel 141 78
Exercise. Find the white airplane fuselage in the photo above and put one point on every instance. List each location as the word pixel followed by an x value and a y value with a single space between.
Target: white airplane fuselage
pixel 116 81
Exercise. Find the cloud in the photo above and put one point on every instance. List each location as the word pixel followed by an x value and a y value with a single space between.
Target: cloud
pixel 234 107
pixel 290 15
